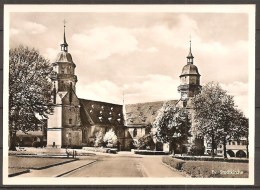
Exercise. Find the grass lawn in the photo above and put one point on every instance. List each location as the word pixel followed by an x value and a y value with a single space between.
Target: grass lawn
pixel 209 169
pixel 216 169
pixel 35 163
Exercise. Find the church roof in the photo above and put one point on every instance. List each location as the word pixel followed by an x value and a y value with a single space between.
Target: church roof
pixel 64 57
pixel 136 115
pixel 102 113
pixel 143 114
pixel 190 69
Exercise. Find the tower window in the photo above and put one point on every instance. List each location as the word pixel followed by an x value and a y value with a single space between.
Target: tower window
pixel 70 121
pixel 135 132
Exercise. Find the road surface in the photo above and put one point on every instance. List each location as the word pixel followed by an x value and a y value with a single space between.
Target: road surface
pixel 126 165
pixel 123 164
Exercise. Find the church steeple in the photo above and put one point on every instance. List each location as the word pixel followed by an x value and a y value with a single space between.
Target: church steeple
pixel 190 79
pixel 64 46
pixel 190 56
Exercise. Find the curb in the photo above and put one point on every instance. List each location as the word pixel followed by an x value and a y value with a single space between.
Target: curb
pixel 181 172
pixel 70 171
pixel 57 164
pixel 19 173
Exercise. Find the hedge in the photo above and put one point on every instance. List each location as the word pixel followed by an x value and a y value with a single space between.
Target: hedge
pixel 101 149
pixel 215 159
pixel 149 152
pixel 208 169
pixel 174 163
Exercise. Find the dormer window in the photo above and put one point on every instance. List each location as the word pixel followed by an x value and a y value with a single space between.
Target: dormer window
pixel 100 118
pixel 101 112
pixel 102 107
pixel 112 108
pixel 92 106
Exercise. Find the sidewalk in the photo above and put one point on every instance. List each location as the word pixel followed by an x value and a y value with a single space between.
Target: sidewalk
pixel 58 171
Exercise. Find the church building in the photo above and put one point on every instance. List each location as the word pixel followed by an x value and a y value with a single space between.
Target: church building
pixel 75 121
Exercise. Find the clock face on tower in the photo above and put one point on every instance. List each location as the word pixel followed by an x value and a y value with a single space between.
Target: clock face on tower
pixel 184 96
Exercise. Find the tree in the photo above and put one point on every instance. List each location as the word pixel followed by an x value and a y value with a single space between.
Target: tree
pixel 172 124
pixel 110 138
pixel 145 141
pixel 29 91
pixel 242 128
pixel 99 138
pixel 215 115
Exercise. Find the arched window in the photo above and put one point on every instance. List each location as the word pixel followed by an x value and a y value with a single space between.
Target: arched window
pixel 135 132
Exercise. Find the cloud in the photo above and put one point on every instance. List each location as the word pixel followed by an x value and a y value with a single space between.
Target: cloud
pixel 34 28
pixel 152 50
pixel 50 53
pixel 102 42
pixel 240 92
pixel 27 28
pixel 153 88
pixel 101 91
pixel 14 31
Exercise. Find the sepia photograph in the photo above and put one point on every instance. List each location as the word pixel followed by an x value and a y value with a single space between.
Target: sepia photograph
pixel 129 94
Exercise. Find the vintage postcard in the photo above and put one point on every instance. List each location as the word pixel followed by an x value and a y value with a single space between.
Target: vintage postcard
pixel 129 94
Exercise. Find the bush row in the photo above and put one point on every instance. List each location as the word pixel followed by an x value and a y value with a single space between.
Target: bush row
pixel 101 149
pixel 208 169
pixel 149 152
pixel 215 159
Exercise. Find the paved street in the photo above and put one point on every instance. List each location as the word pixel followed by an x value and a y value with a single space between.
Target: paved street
pixel 123 164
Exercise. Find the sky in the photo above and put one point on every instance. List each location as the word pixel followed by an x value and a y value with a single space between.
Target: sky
pixel 141 55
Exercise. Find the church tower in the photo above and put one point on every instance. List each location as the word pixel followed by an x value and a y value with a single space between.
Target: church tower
pixel 190 79
pixel 63 76
pixel 64 123
pixel 188 88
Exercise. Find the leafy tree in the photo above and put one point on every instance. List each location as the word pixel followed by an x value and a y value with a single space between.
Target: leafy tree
pixel 172 125
pixel 241 129
pixel 110 138
pixel 29 91
pixel 99 138
pixel 215 115
pixel 145 141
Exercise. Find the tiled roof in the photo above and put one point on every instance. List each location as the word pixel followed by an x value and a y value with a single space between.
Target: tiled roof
pixel 142 114
pixel 96 112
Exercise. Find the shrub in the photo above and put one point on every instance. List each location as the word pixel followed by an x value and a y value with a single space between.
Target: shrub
pixel 145 142
pixel 98 138
pixel 197 150
pixel 110 138
pixel 174 163
pixel 149 152
pixel 36 144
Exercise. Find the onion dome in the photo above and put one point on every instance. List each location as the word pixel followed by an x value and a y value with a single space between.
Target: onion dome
pixel 189 69
pixel 64 57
